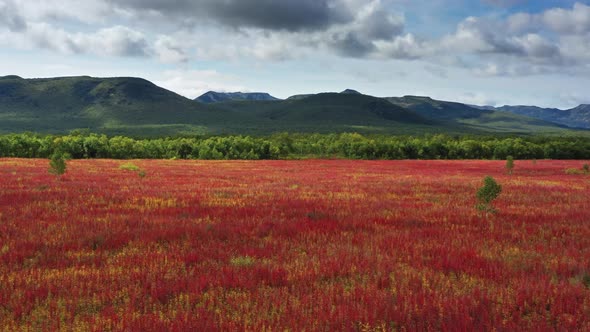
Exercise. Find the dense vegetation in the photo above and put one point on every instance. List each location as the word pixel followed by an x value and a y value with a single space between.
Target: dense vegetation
pixel 313 245
pixel 291 146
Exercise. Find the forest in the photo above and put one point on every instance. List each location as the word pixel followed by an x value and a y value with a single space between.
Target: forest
pixel 79 145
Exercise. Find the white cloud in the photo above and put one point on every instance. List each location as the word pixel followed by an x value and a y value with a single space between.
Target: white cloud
pixel 475 98
pixel 10 16
pixel 86 11
pixel 574 21
pixel 114 41
pixel 193 83
pixel 170 50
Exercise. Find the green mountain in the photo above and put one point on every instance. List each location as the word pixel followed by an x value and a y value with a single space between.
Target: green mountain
pixel 136 107
pixel 479 119
pixel 216 97
pixel 577 117
pixel 110 105
pixel 332 112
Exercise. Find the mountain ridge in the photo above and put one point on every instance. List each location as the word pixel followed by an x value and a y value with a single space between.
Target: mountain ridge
pixel 137 107
pixel 216 97
pixel 577 117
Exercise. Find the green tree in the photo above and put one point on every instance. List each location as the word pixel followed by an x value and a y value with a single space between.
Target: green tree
pixel 487 194
pixel 57 164
pixel 509 164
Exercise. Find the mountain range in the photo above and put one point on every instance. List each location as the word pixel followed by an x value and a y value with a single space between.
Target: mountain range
pixel 577 117
pixel 216 97
pixel 137 107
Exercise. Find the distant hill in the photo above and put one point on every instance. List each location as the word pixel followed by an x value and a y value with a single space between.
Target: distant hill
pixel 302 96
pixel 335 112
pixel 216 97
pixel 136 107
pixel 345 106
pixel 350 92
pixel 578 117
pixel 478 118
pixel 112 105
pixel 441 110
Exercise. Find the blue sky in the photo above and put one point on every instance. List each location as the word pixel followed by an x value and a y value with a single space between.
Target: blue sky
pixel 474 51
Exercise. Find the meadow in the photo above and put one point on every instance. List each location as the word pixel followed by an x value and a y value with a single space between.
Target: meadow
pixel 313 245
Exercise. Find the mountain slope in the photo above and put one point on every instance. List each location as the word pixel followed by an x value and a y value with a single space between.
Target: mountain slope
pixel 136 107
pixel 482 118
pixel 578 117
pixel 216 97
pixel 111 105
pixel 337 112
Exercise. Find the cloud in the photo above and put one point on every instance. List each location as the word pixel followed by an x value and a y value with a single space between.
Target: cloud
pixel 476 98
pixel 193 83
pixel 270 30
pixel 558 38
pixel 267 14
pixel 10 17
pixel 57 12
pixel 566 21
pixel 117 41
pixel 371 25
pixel 405 47
pixel 574 99
pixel 170 50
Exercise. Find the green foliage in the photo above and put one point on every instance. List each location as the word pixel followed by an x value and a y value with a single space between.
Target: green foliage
pixel 574 171
pixel 509 164
pixel 242 261
pixel 487 194
pixel 133 168
pixel 295 146
pixel 57 164
pixel 586 168
pixel 129 167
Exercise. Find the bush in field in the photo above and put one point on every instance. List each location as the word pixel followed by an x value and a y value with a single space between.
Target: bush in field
pixel 133 168
pixel 487 194
pixel 129 167
pixel 575 171
pixel 509 164
pixel 57 163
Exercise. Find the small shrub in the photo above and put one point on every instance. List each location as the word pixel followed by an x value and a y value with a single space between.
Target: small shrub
pixel 509 164
pixel 488 193
pixel 574 171
pixel 57 164
pixel 133 168
pixel 586 168
pixel 129 167
pixel 242 261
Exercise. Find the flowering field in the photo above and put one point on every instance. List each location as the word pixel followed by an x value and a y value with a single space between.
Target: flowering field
pixel 292 245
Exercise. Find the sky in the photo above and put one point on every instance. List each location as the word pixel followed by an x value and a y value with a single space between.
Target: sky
pixel 485 52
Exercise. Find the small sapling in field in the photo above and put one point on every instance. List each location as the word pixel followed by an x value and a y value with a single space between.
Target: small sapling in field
pixel 57 163
pixel 487 194
pixel 509 164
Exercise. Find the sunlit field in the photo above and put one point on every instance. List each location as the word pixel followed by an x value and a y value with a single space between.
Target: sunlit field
pixel 293 245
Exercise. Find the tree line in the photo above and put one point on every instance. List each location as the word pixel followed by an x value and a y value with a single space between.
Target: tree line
pixel 294 146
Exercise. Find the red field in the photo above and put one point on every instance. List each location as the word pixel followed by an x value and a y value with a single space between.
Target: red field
pixel 293 245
